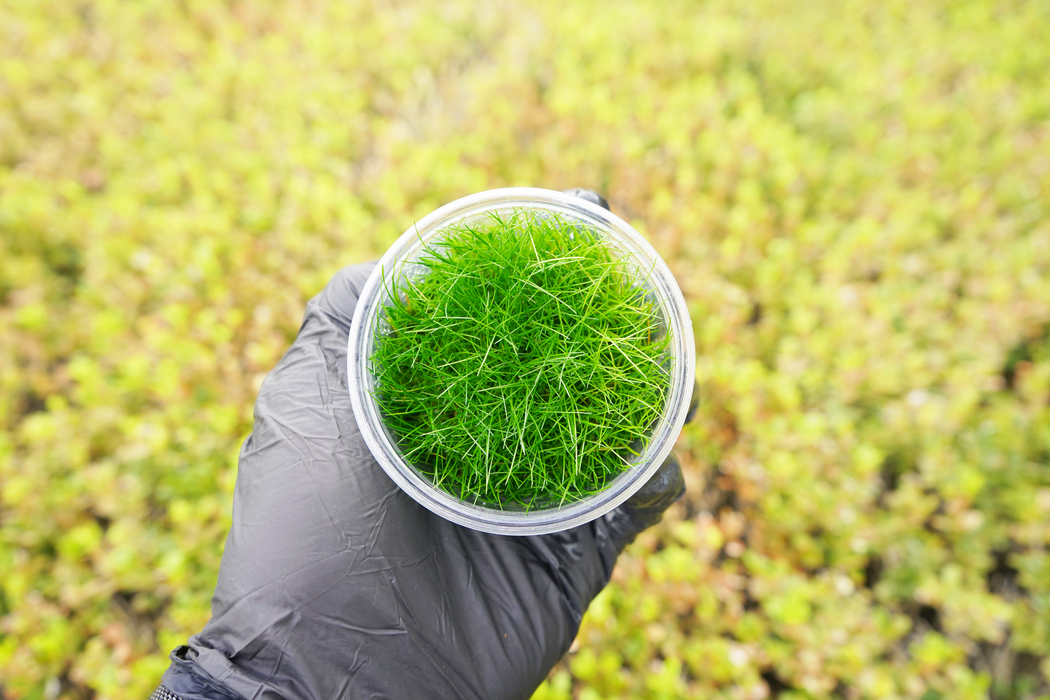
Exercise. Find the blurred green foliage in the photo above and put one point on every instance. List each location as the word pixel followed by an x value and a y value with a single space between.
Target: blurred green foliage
pixel 854 196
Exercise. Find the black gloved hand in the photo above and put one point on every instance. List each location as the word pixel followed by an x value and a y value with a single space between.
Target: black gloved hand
pixel 334 583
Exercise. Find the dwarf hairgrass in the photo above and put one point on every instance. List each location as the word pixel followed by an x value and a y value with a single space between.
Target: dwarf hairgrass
pixel 524 366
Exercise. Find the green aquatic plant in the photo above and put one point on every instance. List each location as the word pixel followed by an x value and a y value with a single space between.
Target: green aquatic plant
pixel 524 366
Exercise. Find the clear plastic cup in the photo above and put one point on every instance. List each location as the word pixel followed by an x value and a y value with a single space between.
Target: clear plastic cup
pixel 402 259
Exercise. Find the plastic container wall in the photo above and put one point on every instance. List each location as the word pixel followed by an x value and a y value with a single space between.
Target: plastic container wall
pixel 653 276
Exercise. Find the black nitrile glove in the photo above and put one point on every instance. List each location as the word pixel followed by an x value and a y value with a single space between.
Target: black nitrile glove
pixel 334 583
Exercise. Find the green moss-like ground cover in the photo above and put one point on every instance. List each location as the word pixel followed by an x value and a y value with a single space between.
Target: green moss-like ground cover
pixel 855 197
pixel 525 367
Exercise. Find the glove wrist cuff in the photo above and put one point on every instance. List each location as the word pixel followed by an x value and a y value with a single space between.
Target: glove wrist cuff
pixel 185 680
pixel 162 693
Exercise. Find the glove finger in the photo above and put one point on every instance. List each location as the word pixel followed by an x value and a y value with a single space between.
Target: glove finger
pixel 338 300
pixel 645 508
pixel 589 195
pixel 581 560
pixel 694 402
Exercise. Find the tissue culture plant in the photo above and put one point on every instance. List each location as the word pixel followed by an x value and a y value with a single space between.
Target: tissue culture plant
pixel 855 200
pixel 525 366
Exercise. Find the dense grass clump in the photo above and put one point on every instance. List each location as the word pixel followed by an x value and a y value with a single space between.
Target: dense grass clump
pixel 525 366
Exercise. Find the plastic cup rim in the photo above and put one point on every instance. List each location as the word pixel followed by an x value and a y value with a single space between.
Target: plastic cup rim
pixel 546 520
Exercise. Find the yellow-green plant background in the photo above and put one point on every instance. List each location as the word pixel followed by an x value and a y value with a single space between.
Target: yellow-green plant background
pixel 853 194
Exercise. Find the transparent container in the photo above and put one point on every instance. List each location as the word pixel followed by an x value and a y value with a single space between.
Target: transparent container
pixel 401 260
